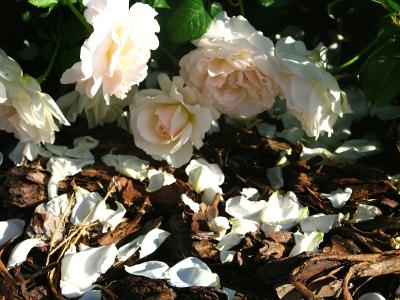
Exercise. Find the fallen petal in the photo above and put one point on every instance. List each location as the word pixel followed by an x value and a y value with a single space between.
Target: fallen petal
pixel 20 252
pixel 10 229
pixel 192 272
pixel 365 212
pixel 229 241
pixel 80 270
pixel 306 242
pixel 242 208
pixel 338 197
pixel 320 222
pixel 158 179
pixel 127 165
pixel 149 269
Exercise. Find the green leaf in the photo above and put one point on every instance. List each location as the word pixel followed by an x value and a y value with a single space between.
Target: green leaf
pixel 43 3
pixel 380 74
pixel 157 3
pixel 389 4
pixel 188 21
pixel 215 9
pixel 277 3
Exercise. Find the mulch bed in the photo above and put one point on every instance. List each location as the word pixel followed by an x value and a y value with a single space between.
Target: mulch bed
pixel 353 259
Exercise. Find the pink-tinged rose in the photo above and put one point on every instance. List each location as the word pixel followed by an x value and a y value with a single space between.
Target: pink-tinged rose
pixel 167 123
pixel 233 67
pixel 312 94
pixel 24 110
pixel 115 56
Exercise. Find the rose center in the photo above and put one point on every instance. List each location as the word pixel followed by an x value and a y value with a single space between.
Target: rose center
pixel 171 120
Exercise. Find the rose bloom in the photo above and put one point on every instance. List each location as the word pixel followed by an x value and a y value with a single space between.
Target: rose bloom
pixel 97 110
pixel 24 110
pixel 312 94
pixel 167 123
pixel 232 67
pixel 115 55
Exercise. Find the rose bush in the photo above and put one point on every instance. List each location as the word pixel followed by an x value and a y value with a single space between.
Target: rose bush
pixel 115 55
pixel 24 110
pixel 312 94
pixel 167 123
pixel 233 67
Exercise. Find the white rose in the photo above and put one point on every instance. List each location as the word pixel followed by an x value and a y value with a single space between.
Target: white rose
pixel 24 110
pixel 167 122
pixel 96 110
pixel 312 94
pixel 115 55
pixel 233 67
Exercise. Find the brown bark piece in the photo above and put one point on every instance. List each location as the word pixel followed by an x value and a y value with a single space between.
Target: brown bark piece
pixel 282 237
pixel 206 249
pixel 20 192
pixel 128 192
pixel 122 231
pixel 272 250
pixel 137 287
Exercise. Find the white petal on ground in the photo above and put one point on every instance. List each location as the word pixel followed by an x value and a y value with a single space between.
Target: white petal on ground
pixel 229 241
pixel 158 179
pixel 81 149
pixel 306 242
pixel 80 270
pixel 61 167
pixel 371 296
pixel 92 201
pixel 283 210
pixel 243 226
pixel 127 250
pixel 240 207
pixel 85 201
pixel 91 295
pixel 152 240
pixel 251 194
pixel 192 272
pixel 365 212
pixel 231 293
pixel 148 243
pixel 219 225
pixel 149 269
pixel 227 256
pixel 275 177
pixel 358 148
pixel 209 194
pixel 10 229
pixel 108 217
pixel 52 225
pixel 321 222
pixel 20 252
pixel 194 206
pixel 203 175
pixel 338 197
pixel 128 165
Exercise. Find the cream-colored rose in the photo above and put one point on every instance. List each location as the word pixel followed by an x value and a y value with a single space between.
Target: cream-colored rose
pixel 167 123
pixel 312 94
pixel 114 57
pixel 24 110
pixel 233 67
pixel 97 110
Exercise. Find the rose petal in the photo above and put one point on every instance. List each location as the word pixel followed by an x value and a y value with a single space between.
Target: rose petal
pixel 192 272
pixel 149 269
